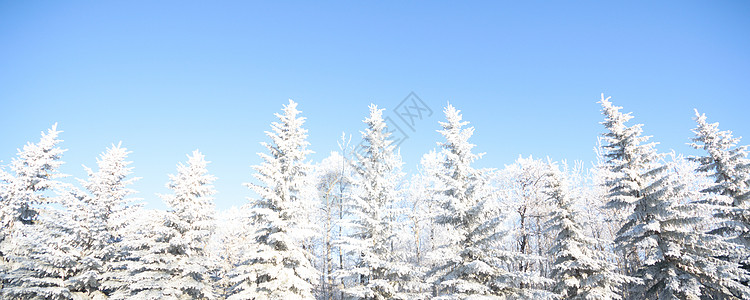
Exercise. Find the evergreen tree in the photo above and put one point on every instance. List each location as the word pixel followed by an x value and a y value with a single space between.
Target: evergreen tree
pixel 380 272
pixel 628 158
pixel 33 172
pixel 192 216
pixel 606 222
pixel 171 260
pixel 279 267
pixel 727 164
pixel 580 270
pixel 32 262
pixel 725 161
pixel 98 218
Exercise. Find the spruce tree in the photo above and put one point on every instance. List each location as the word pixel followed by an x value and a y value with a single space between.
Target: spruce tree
pixel 380 271
pixel 192 216
pixel 99 214
pixel 628 158
pixel 33 262
pixel 579 268
pixel 170 260
pixel 727 164
pixel 278 266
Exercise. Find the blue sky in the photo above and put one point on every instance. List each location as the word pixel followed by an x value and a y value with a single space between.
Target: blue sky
pixel 167 77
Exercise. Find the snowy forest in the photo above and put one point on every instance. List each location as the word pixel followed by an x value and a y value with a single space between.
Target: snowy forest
pixel 638 224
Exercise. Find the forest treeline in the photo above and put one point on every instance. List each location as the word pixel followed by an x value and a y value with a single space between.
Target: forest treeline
pixel 638 224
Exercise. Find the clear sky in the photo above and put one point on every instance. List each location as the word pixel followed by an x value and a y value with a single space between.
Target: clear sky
pixel 167 77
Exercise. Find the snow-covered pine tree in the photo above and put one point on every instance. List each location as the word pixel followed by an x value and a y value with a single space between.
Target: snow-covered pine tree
pixel 726 163
pixel 32 173
pixel 28 268
pixel 171 260
pixel 628 159
pixel 380 272
pixel 192 216
pixel 471 264
pixel 98 217
pixel 279 267
pixel 580 270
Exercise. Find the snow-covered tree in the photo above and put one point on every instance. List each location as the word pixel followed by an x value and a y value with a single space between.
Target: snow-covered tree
pixel 471 264
pixel 381 271
pixel 333 180
pixel 192 208
pixel 279 267
pixel 524 185
pixel 171 260
pixel 98 216
pixel 422 207
pixel 423 194
pixel 28 267
pixel 727 164
pixel 230 239
pixel 33 171
pixel 421 236
pixel 579 268
pixel 628 160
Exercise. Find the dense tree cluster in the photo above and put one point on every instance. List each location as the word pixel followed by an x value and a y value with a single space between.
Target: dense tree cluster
pixel 637 225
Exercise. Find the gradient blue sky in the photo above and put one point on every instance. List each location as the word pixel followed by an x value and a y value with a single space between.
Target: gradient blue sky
pixel 167 77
